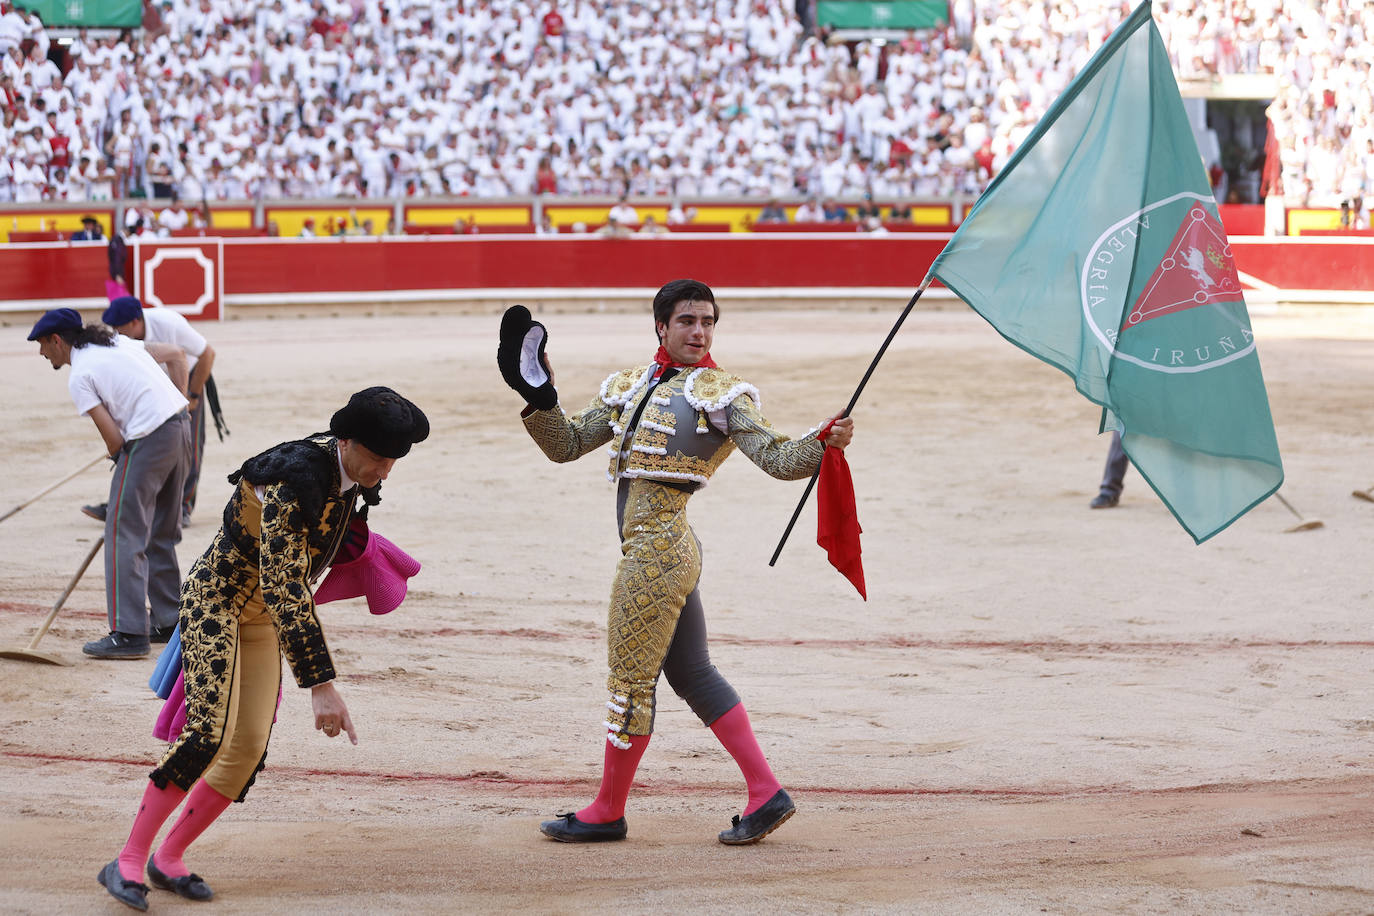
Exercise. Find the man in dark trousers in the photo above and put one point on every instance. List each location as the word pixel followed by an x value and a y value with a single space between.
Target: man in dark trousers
pixel 1113 475
pixel 167 326
pixel 141 415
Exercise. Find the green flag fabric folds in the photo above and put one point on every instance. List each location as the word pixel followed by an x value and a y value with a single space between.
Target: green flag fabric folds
pixel 1099 249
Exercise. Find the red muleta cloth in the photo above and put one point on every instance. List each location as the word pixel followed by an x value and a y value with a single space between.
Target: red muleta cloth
pixel 837 521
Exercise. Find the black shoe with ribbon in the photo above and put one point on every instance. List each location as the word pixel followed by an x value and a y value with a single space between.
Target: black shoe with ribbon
pixel 129 893
pixel 192 887
pixel 568 829
pixel 753 827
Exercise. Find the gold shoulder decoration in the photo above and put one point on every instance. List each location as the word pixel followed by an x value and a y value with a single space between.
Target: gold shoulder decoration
pixel 620 387
pixel 710 390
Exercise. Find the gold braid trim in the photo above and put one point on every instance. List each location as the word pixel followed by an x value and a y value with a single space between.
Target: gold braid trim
pixel 563 438
pixel 284 567
pixel 778 455
pixel 659 567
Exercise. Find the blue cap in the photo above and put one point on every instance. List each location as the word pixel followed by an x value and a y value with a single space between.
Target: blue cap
pixel 121 311
pixel 54 321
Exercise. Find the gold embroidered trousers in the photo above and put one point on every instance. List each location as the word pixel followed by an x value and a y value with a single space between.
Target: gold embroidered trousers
pixel 659 568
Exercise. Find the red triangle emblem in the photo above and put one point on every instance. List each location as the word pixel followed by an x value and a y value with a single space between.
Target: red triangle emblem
pixel 1197 269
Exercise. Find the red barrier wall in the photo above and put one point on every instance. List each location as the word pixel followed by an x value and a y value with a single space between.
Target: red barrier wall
pixel 53 271
pixel 266 267
pixel 1344 264
pixel 492 262
pixel 1242 219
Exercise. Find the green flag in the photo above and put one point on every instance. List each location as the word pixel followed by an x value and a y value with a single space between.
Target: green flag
pixel 122 14
pixel 1099 249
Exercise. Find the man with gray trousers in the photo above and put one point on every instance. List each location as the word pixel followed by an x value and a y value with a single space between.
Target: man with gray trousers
pixel 141 415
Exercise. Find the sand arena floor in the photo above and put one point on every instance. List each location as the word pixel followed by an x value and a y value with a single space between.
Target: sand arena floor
pixel 1041 708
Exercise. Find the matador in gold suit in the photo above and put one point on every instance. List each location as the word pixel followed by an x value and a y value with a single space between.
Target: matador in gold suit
pixel 667 426
pixel 247 602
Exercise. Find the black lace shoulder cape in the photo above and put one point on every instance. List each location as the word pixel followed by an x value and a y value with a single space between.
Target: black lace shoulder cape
pixel 308 467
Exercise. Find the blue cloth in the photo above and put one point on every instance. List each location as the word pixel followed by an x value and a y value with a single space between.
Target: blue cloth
pixel 168 666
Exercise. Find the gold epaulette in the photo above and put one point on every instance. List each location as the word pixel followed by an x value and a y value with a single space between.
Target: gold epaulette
pixel 709 390
pixel 621 386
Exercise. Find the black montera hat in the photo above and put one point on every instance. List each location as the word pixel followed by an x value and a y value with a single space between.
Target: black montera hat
pixel 381 420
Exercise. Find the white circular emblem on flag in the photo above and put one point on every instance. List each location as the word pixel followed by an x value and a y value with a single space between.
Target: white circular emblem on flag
pixel 1160 288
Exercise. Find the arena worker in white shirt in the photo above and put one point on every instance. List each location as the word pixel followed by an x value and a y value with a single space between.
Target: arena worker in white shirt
pixel 127 316
pixel 141 415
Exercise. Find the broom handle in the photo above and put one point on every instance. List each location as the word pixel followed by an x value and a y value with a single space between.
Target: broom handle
pixel 1289 506
pixel 48 489
pixel 52 615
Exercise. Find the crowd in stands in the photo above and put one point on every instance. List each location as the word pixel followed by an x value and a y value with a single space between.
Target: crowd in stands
pixel 243 99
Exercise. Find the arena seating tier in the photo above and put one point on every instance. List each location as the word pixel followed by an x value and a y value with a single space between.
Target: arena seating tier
pixel 689 99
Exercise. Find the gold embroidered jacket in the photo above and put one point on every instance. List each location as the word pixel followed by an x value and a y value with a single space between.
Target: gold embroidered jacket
pixel 274 550
pixel 687 429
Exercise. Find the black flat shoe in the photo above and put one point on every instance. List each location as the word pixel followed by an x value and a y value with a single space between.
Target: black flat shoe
pixel 753 827
pixel 568 829
pixel 192 887
pixel 129 893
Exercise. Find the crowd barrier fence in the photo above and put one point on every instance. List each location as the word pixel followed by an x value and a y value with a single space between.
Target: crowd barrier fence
pixel 211 278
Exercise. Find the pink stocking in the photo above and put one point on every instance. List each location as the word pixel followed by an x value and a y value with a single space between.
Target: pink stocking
pixel 617 773
pixel 153 811
pixel 737 736
pixel 203 806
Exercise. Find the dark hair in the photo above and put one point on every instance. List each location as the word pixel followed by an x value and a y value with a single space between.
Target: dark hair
pixel 92 333
pixel 676 291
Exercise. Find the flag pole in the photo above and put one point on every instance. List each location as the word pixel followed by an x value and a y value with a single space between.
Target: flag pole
pixel 810 484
